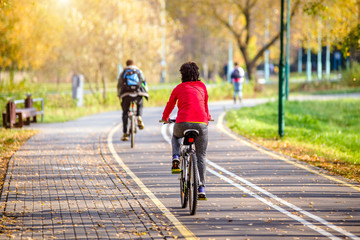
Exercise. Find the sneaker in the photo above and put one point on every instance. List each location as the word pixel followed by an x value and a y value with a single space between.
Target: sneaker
pixel 201 193
pixel 140 123
pixel 124 137
pixel 175 169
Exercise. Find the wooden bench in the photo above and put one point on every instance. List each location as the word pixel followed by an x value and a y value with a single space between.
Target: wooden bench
pixel 23 115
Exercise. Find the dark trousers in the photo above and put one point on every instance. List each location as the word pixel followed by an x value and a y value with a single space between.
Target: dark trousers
pixel 125 105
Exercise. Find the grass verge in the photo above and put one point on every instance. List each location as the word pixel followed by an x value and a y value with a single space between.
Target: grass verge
pixel 325 134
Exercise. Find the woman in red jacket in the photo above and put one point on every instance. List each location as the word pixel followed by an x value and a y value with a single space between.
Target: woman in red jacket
pixel 193 113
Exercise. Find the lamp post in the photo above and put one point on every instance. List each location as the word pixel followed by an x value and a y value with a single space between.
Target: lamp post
pixel 308 65
pixel 287 68
pixel 267 53
pixel 281 115
pixel 327 61
pixel 319 55
pixel 300 60
pixel 230 57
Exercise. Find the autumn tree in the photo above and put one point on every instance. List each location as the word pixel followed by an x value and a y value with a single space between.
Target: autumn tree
pixel 100 35
pixel 248 27
pixel 338 17
pixel 201 43
pixel 338 21
pixel 28 34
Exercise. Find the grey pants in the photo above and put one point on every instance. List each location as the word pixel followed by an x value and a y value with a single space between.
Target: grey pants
pixel 200 143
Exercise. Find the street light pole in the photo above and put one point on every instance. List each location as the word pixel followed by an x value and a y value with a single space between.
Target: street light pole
pixel 281 116
pixel 319 55
pixel 328 61
pixel 287 69
pixel 230 59
pixel 308 65
pixel 267 53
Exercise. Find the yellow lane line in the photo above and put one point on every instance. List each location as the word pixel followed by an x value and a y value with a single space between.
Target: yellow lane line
pixel 182 229
pixel 220 126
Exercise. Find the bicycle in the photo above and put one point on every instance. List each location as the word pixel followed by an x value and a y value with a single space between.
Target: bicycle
pixel 189 173
pixel 132 124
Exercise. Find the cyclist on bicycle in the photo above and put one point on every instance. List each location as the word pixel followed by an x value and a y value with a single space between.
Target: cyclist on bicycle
pixel 193 113
pixel 131 87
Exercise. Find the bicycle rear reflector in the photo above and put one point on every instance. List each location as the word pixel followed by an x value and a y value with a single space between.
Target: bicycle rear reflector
pixel 191 140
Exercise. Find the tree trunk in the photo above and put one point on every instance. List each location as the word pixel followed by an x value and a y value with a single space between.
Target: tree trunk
pixel 250 67
pixel 103 80
pixel 205 71
pixel 87 79
pixel 97 80
pixel 12 76
pixel 58 78
pixel 104 87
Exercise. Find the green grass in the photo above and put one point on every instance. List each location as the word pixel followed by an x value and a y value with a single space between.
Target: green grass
pixel 339 91
pixel 322 132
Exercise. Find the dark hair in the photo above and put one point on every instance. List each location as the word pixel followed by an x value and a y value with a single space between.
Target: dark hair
pixel 236 63
pixel 129 62
pixel 189 72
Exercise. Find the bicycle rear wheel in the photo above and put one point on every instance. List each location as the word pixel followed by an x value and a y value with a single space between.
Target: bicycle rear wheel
pixel 193 184
pixel 183 183
pixel 132 130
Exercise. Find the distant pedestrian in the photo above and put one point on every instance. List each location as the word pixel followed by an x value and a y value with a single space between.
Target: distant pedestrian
pixel 237 79
pixel 224 72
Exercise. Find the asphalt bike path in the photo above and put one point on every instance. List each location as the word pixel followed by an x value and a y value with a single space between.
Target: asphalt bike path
pixel 77 180
pixel 252 195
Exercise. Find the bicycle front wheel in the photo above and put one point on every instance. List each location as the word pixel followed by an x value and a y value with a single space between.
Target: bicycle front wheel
pixel 193 182
pixel 132 130
pixel 183 183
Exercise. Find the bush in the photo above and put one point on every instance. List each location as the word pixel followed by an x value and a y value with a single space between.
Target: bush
pixel 351 76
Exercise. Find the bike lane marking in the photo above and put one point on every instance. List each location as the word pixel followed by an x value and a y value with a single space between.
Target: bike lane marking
pixel 274 197
pixel 182 229
pixel 280 209
pixel 220 126
pixel 282 201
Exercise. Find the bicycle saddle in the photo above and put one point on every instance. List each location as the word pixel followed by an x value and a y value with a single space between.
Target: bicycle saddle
pixel 190 134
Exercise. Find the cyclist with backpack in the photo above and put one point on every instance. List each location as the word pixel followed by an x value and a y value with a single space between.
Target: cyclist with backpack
pixel 193 113
pixel 131 87
pixel 237 79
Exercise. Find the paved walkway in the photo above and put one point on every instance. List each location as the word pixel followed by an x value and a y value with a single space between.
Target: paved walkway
pixel 60 185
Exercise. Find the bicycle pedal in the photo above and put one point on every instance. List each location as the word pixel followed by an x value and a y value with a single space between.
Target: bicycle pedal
pixel 202 198
pixel 175 171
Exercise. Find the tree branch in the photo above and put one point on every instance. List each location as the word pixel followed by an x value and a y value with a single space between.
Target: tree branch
pixel 226 23
pixel 276 37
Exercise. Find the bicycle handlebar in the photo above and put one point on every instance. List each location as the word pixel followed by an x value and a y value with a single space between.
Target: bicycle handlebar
pixel 169 121
pixel 174 120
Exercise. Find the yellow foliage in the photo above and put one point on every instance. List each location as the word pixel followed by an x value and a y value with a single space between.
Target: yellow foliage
pixel 30 30
pixel 86 36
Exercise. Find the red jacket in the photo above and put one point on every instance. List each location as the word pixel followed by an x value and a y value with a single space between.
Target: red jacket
pixel 192 103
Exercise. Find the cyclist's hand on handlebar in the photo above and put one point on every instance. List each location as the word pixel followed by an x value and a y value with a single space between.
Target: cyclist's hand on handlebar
pixel 168 121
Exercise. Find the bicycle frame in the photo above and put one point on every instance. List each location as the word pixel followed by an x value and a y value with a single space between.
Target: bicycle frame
pixel 189 175
pixel 188 164
pixel 132 123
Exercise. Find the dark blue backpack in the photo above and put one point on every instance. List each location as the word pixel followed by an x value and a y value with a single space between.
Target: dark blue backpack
pixel 235 74
pixel 131 80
